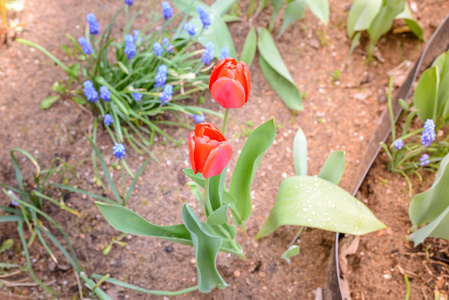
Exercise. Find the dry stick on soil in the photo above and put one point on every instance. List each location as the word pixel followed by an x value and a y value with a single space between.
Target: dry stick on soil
pixel 11 274
pixel 80 288
pixel 13 284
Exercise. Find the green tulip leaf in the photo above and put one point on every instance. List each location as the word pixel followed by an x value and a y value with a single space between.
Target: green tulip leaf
pixel 427 206
pixel 300 153
pixel 276 72
pixel 250 47
pixel 361 15
pixel 206 247
pixel 414 26
pixel 216 188
pixel 294 11
pixel 277 6
pixel 334 167
pixel 437 229
pixel 198 178
pixel 315 202
pixel 49 101
pixel 384 19
pixel 125 220
pixel 442 62
pixel 240 187
pixel 219 216
pixel 320 8
pixel 196 191
pixel 425 98
pixel 291 252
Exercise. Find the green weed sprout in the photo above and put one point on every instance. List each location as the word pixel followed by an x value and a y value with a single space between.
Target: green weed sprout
pixel 133 79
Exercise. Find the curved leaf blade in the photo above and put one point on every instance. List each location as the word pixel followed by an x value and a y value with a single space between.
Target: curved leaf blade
pixel 294 11
pixel 49 101
pixel 361 15
pixel 292 251
pixel 250 47
pixel 240 187
pixel 320 8
pixel 315 202
pixel 219 216
pixel 334 167
pixel 425 98
pixel 206 248
pixel 300 153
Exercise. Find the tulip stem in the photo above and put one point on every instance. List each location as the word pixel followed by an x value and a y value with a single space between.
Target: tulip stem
pixel 225 121
pixel 206 197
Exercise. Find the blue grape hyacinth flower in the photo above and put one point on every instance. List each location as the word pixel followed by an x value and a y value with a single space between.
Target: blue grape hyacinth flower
pixel 208 53
pixel 94 26
pixel 166 94
pixel 137 96
pixel 90 92
pixel 204 16
pixel 119 151
pixel 428 135
pixel 167 11
pixel 167 45
pixel 85 45
pixel 190 28
pixel 161 76
pixel 398 144
pixel 129 2
pixel 105 94
pixel 224 53
pixel 157 48
pixel 108 119
pixel 199 118
pixel 130 47
pixel 424 160
pixel 136 37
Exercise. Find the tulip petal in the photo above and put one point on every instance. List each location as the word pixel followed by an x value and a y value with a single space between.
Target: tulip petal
pixel 203 147
pixel 248 79
pixel 192 151
pixel 217 70
pixel 229 93
pixel 208 129
pixel 218 159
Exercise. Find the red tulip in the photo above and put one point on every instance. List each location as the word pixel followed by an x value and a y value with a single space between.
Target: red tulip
pixel 209 152
pixel 230 83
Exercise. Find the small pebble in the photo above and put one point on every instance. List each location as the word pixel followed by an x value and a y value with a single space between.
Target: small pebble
pixel 237 273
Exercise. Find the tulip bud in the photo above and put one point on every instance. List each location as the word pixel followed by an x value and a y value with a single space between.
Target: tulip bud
pixel 209 152
pixel 230 83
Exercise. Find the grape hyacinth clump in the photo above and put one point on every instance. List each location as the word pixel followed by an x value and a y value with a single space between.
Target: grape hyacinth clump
pixel 204 16
pixel 119 151
pixel 108 119
pixel 85 45
pixel 130 48
pixel 90 92
pixel 208 53
pixel 424 160
pixel 190 28
pixel 224 53
pixel 94 26
pixel 166 94
pixel 161 76
pixel 428 135
pixel 105 94
pixel 398 144
pixel 167 10
pixel 157 48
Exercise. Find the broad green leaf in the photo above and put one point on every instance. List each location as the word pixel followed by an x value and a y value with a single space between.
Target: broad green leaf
pixel 300 153
pixel 384 19
pixel 277 5
pixel 198 178
pixel 443 90
pixel 414 26
pixel 425 98
pixel 49 101
pixel 315 202
pixel 206 247
pixel 334 167
pixel 249 48
pixel 221 7
pixel 6 245
pixel 216 187
pixel 276 72
pixel 320 8
pixel 240 187
pixel 219 216
pixel 427 206
pixel 292 251
pixel 361 15
pixel 125 220
pixel 294 11
pixel 437 229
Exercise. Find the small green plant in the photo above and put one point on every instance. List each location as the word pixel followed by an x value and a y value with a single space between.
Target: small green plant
pixel 414 151
pixel 377 16
pixel 336 75
pixel 134 78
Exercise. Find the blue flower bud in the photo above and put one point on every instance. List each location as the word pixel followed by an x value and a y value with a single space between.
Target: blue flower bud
pixel 87 47
pixel 167 11
pixel 108 119
pixel 157 48
pixel 166 94
pixel 94 26
pixel 105 94
pixel 119 151
pixel 190 28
